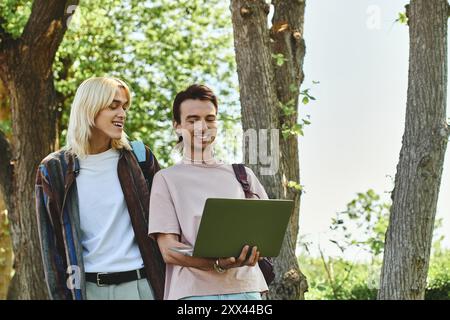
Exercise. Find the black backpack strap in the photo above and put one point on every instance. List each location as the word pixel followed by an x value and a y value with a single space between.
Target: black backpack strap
pixel 241 176
pixel 266 264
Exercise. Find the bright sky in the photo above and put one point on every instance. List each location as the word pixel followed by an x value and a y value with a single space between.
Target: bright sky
pixel 354 140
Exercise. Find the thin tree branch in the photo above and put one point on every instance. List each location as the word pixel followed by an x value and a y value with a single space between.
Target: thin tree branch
pixel 6 171
pixel 329 275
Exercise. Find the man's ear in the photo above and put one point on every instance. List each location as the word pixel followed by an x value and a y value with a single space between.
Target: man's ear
pixel 177 127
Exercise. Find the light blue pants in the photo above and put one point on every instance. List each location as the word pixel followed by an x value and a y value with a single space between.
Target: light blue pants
pixel 233 296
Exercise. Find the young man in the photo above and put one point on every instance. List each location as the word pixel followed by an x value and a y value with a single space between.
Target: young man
pixel 176 206
pixel 92 204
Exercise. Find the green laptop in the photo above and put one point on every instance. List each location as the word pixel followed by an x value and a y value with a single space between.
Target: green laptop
pixel 227 225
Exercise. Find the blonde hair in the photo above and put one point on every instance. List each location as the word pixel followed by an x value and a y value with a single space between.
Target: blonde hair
pixel 92 96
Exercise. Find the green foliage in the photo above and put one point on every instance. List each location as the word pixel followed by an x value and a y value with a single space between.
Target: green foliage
pixel 402 18
pixel 344 280
pixel 279 59
pixel 363 223
pixel 289 109
pixel 296 129
pixel 358 281
pixel 295 186
pixel 159 48
pixel 5 127
pixel 438 287
pixel 15 13
pixel 306 96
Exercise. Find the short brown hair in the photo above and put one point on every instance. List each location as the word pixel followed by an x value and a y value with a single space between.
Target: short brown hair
pixel 194 92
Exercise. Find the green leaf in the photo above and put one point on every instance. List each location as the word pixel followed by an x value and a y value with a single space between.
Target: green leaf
pixel 402 18
pixel 293 88
pixel 279 58
pixel 294 185
pixel 305 100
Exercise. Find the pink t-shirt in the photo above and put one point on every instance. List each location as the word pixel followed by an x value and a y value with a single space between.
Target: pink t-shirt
pixel 176 206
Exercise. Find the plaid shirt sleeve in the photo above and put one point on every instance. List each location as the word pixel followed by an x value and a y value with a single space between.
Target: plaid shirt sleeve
pixel 52 260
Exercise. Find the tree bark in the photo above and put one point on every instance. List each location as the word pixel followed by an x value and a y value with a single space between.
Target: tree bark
pixel 5 170
pixel 5 252
pixel 26 70
pixel 419 171
pixel 264 87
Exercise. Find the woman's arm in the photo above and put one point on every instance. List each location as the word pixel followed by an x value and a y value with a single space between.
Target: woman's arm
pixel 167 241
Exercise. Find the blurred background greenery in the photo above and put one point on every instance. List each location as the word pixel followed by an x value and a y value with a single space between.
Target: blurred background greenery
pixel 355 275
pixel 158 47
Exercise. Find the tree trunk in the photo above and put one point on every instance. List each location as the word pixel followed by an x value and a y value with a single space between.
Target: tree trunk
pixel 418 178
pixel 265 87
pixel 5 239
pixel 5 251
pixel 26 70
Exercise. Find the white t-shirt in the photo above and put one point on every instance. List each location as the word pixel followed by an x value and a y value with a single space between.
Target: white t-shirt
pixel 108 239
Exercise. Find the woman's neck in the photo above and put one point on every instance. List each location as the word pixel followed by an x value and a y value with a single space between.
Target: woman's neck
pixel 99 145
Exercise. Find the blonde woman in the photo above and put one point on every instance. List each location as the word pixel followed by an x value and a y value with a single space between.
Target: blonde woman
pixel 92 204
